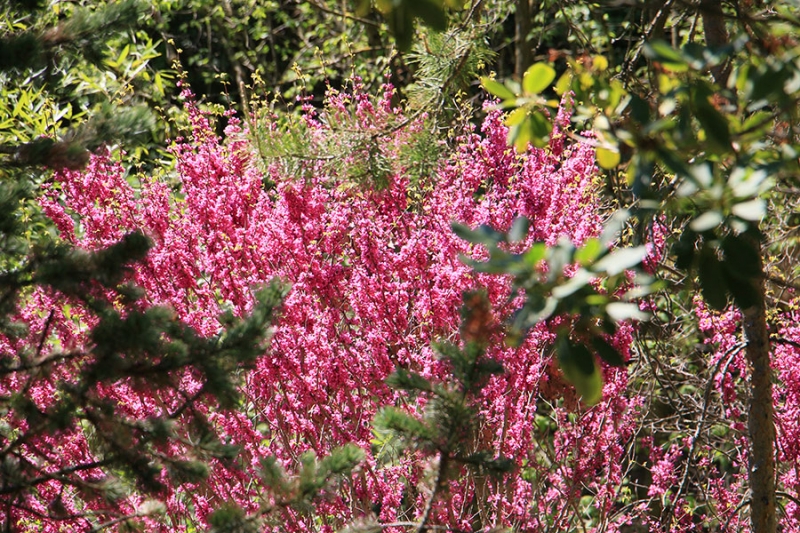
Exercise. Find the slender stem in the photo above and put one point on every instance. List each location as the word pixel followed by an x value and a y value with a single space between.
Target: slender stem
pixel 422 528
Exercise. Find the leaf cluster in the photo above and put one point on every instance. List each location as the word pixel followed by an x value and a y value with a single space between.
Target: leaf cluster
pixel 594 298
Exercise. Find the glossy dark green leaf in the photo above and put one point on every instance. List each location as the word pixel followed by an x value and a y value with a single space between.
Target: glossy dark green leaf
pixel 607 353
pixel 577 364
pixel 640 110
pixel 714 123
pixel 745 292
pixel 430 11
pixel 742 259
pixel 712 280
pixel 540 128
pixel 684 249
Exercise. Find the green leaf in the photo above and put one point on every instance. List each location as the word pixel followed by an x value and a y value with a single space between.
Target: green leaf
pixel 537 252
pixel 669 58
pixel 497 89
pixel 516 117
pixel 752 210
pixel 607 158
pixel 742 260
pixel 744 292
pixel 431 13
pixel 607 353
pixel 519 229
pixel 540 127
pixel 620 311
pixel 577 364
pixel 684 250
pixel 712 281
pixel 620 260
pixel 574 284
pixel 746 184
pixel 537 78
pixel 481 235
pixel 706 221
pixel 715 125
pixel 563 83
pixel 590 251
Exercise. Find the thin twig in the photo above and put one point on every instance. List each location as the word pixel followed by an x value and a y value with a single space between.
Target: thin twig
pixel 731 353
pixel 439 480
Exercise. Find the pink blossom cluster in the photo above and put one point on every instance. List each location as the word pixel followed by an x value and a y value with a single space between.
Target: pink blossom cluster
pixel 375 279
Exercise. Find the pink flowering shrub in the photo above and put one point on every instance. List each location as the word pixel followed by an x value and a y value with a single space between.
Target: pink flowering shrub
pixel 375 278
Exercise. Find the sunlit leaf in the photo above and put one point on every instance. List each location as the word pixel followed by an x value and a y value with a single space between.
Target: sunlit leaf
pixel 590 250
pixel 516 117
pixel 579 280
pixel 538 78
pixel 753 210
pixel 535 254
pixel 706 221
pixel 600 63
pixel 620 311
pixel 563 83
pixel 620 260
pixel 497 89
pixel 607 158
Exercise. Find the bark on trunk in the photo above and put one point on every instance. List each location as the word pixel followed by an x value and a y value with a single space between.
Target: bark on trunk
pixel 760 416
pixel 716 35
pixel 522 21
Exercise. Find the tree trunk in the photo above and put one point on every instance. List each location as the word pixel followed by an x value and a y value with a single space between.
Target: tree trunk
pixel 522 27
pixel 716 35
pixel 760 423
